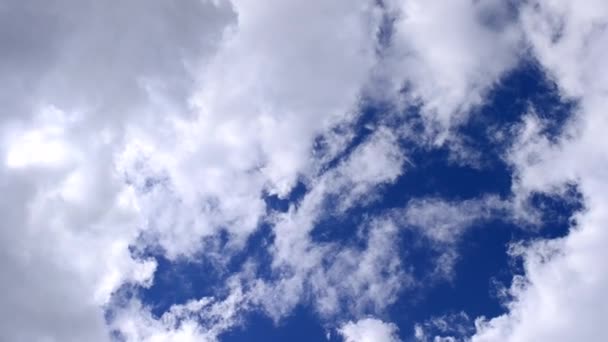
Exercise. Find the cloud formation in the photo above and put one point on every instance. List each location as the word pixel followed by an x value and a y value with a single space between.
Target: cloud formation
pixel 562 297
pixel 162 127
pixel 445 67
pixel 368 330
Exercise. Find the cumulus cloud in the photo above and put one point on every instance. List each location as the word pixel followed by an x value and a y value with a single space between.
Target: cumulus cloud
pixel 75 74
pixel 369 330
pixel 154 125
pixel 261 100
pixel 562 297
pixel 62 204
pixel 446 68
pixel 338 279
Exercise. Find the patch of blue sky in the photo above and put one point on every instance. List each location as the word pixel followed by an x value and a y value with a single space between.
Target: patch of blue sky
pixel 483 264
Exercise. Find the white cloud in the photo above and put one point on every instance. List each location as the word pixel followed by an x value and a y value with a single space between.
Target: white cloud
pixel 72 79
pixel 439 328
pixel 160 123
pixel 67 226
pixel 197 320
pixel 272 87
pixel 562 296
pixel 367 278
pixel 369 330
pixel 200 105
pixel 449 54
pixel 445 222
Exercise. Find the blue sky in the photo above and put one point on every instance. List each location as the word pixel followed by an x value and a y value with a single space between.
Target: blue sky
pixel 356 171
pixel 483 263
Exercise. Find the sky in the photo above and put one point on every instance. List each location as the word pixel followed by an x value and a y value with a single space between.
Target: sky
pixel 282 170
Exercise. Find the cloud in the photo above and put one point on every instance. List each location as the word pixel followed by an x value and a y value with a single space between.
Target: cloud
pixel 75 75
pixel 369 330
pixel 61 205
pixel 204 319
pixel 458 325
pixel 270 89
pixel 154 124
pixel 446 68
pixel 444 221
pixel 341 278
pixel 561 296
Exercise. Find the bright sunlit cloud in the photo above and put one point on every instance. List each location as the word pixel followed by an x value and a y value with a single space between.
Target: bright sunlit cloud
pixel 348 170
